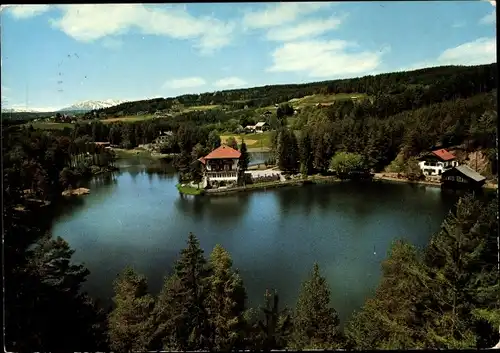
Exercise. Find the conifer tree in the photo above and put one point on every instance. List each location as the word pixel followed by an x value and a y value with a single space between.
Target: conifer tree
pixel 392 319
pixel 315 323
pixel 244 160
pixel 292 152
pixel 305 153
pixel 183 298
pixel 130 322
pixel 464 277
pixel 167 316
pixel 225 302
pixel 275 330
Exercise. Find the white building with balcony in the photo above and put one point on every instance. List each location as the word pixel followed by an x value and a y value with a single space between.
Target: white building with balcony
pixel 220 167
pixel 436 162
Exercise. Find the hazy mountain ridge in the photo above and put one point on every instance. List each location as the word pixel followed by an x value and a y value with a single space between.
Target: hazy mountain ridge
pixel 92 105
pixel 83 106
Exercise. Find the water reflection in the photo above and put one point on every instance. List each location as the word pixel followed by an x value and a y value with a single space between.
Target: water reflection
pixel 227 209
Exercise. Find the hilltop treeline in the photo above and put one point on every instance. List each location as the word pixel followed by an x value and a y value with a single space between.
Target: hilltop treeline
pixel 379 139
pixel 431 85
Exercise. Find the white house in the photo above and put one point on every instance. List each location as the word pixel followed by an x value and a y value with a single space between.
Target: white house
pixel 249 128
pixel 261 126
pixel 220 166
pixel 436 162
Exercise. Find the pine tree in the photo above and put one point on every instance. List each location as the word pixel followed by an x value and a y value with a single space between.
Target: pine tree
pixel 244 160
pixel 465 280
pixel 45 309
pixel 392 319
pixel 275 330
pixel 280 150
pixel 292 152
pixel 315 323
pixel 168 316
pixel 130 322
pixel 225 302
pixel 184 295
pixel 305 153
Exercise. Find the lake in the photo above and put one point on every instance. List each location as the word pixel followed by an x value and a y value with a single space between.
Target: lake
pixel 137 217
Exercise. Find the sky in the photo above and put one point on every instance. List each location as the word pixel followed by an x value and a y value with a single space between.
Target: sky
pixel 55 55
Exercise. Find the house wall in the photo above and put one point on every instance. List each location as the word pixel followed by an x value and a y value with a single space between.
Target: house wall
pixel 433 167
pixel 213 165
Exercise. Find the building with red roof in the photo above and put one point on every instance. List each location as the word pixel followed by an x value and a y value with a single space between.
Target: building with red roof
pixel 436 162
pixel 220 167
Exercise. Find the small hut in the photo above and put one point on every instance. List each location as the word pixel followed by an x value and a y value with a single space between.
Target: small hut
pixel 462 177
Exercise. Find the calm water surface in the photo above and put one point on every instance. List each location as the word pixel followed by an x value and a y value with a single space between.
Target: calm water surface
pixel 137 217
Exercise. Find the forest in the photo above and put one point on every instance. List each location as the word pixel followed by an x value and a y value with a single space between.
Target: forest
pixel 442 296
pixel 426 86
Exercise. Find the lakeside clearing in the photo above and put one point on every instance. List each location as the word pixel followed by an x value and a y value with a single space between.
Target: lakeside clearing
pixel 310 180
pixel 128 118
pixel 122 153
pixel 257 140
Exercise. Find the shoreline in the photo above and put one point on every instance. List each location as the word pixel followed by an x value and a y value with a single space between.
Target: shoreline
pixel 312 180
pixel 122 153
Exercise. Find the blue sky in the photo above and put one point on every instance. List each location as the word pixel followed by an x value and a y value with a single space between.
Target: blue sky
pixel 54 56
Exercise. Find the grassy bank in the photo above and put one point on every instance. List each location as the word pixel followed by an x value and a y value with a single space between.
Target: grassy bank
pixel 189 190
pixel 275 184
pixel 262 140
pixel 45 125
pixel 139 152
pixel 129 118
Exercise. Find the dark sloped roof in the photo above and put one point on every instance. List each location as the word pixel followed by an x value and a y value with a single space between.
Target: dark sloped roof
pixel 469 172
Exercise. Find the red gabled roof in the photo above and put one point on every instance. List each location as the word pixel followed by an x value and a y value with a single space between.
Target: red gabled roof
pixel 443 155
pixel 223 152
pixel 202 160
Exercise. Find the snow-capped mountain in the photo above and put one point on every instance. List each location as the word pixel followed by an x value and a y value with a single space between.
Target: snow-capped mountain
pixel 19 110
pixel 91 105
pixel 28 110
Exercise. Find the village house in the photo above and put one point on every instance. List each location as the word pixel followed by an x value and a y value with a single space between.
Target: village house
pixel 220 167
pixel 462 177
pixel 249 129
pixel 261 126
pixel 436 162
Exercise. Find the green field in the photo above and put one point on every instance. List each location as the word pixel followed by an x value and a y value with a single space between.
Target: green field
pixel 129 118
pixel 323 98
pixel 50 126
pixel 200 107
pixel 251 140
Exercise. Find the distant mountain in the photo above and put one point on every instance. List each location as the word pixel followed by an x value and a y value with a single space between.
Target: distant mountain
pixel 19 110
pixel 80 107
pixel 86 106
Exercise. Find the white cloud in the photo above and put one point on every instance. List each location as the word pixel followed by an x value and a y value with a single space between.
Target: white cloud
pixel 89 22
pixel 27 11
pixel 307 28
pixel 187 82
pixel 230 82
pixel 489 19
pixel 281 13
pixel 478 52
pixel 324 59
